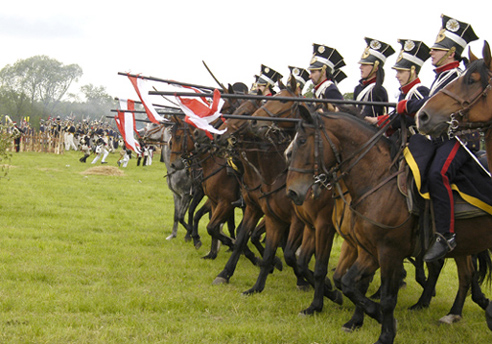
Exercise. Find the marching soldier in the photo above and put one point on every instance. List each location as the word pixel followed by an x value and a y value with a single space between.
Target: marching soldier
pixel 101 150
pixel 325 64
pixel 444 160
pixel 370 87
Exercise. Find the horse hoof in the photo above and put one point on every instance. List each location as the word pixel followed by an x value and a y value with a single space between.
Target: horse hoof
pixel 309 311
pixel 220 280
pixel 450 319
pixel 210 256
pixel 250 292
pixel 172 236
pixel 418 307
pixel 338 298
pixel 278 264
pixel 187 238
pixel 351 326
pixel 198 245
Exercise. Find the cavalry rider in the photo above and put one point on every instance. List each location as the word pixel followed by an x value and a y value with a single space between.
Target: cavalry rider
pixel 325 64
pixel 301 76
pixel 370 87
pixel 266 80
pixel 442 165
pixel 412 56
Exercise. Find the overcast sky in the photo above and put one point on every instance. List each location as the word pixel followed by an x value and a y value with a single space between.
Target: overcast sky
pixel 169 39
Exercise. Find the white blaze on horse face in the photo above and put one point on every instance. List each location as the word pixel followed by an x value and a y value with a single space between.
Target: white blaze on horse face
pixel 288 151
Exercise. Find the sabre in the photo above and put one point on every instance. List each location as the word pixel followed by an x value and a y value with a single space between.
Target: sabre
pixel 213 76
pixel 255 97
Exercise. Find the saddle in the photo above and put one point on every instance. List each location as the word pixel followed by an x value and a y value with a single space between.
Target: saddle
pixel 406 185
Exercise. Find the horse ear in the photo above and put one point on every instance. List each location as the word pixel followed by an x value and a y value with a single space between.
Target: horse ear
pixel 281 85
pixel 471 56
pixel 486 55
pixel 306 114
pixel 293 83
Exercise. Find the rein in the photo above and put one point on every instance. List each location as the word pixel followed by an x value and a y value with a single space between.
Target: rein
pixel 466 105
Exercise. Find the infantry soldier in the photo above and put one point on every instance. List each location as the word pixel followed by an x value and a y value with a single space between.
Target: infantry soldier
pixel 370 87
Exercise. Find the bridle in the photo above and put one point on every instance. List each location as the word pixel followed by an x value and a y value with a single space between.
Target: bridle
pixel 456 118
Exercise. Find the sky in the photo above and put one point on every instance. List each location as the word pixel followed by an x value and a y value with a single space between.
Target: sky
pixel 170 39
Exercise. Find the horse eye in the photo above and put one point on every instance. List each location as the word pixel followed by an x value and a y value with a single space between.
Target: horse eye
pixel 301 141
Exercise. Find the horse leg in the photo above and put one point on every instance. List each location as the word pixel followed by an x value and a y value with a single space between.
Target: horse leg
pixel 391 269
pixel 274 232
pixel 322 286
pixel 174 231
pixel 465 271
pixel 250 219
pixel 220 214
pixel 231 226
pixel 192 232
pixel 205 209
pixel 256 241
pixel 430 285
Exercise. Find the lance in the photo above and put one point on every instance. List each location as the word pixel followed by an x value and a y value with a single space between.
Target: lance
pixel 213 76
pixel 171 82
pixel 255 97
pixel 255 118
pixel 156 105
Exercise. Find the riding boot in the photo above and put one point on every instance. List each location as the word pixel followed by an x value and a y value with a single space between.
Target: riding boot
pixel 441 246
pixel 138 161
pixel 84 158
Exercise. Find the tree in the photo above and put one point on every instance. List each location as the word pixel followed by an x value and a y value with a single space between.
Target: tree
pixel 38 79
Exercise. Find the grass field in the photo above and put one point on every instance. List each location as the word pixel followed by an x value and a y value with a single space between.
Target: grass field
pixel 84 259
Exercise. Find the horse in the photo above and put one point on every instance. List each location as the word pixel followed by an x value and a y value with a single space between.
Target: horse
pixel 262 183
pixel 178 181
pixel 347 148
pixel 463 104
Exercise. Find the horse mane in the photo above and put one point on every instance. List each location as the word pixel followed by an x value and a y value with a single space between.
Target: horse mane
pixel 477 66
pixel 361 124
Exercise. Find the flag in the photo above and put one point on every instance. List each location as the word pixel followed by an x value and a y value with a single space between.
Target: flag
pixel 125 121
pixel 200 113
pixel 141 88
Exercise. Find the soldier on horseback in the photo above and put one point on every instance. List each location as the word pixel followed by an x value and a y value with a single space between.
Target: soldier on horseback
pixel 370 87
pixel 300 75
pixel 267 79
pixel 325 72
pixel 444 161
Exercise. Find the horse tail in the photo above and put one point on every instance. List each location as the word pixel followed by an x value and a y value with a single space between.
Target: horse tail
pixel 483 266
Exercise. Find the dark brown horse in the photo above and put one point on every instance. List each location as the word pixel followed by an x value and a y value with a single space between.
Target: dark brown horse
pixel 464 104
pixel 384 230
pixel 263 188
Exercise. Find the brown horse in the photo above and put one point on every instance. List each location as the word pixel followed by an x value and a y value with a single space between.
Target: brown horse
pixel 263 184
pixel 383 229
pixel 463 104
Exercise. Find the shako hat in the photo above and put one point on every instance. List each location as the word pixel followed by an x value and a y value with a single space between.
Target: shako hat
pixel 300 74
pixel 455 34
pixel 376 51
pixel 338 76
pixel 268 76
pixel 326 56
pixel 412 54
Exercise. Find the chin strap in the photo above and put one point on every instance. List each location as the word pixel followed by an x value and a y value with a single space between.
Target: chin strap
pixel 444 58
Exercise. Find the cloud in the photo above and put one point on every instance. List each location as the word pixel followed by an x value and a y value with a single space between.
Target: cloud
pixel 39 28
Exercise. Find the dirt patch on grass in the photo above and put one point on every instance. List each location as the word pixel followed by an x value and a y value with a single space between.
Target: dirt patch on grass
pixel 104 171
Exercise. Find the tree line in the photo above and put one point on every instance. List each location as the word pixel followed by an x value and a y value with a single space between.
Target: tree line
pixel 37 88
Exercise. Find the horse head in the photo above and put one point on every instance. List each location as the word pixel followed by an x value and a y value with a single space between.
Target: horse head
pixel 237 127
pixel 308 160
pixel 277 109
pixel 181 144
pixel 463 103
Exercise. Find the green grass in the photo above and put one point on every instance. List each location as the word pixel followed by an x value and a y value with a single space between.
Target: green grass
pixel 84 259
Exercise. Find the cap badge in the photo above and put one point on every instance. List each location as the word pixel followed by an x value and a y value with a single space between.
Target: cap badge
pixel 267 70
pixel 409 45
pixel 321 49
pixel 295 71
pixel 441 35
pixel 400 57
pixel 453 25
pixel 376 45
